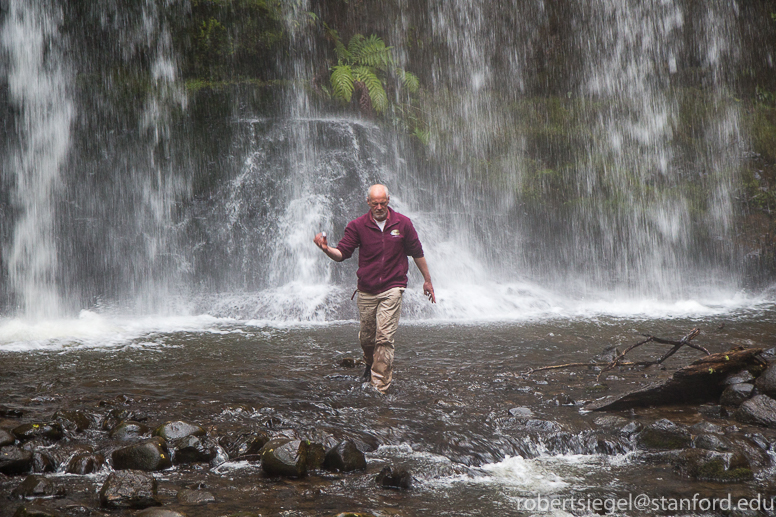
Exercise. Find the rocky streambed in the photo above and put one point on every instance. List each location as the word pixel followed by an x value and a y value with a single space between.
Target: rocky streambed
pixel 276 422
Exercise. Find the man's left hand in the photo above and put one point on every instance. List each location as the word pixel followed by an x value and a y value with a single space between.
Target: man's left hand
pixel 428 290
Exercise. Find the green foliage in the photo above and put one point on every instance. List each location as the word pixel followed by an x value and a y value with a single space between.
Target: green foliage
pixel 365 60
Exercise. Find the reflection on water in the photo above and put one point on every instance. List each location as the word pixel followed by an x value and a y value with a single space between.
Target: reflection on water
pixel 447 418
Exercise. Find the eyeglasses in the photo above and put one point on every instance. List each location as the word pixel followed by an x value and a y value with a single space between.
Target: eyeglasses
pixel 374 204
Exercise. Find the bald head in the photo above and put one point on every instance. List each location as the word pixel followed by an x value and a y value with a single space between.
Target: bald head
pixel 377 191
pixel 377 198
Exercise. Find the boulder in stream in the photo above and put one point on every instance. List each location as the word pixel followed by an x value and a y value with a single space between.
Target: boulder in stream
pixel 48 431
pixel 345 457
pixel 14 460
pixel 284 457
pixel 149 455
pixel 394 478
pixel 760 410
pixel 37 486
pixel 128 430
pixel 664 435
pixel 85 463
pixel 172 431
pixel 129 489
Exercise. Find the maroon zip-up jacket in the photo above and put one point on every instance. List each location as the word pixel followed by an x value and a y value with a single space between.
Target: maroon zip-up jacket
pixel 382 259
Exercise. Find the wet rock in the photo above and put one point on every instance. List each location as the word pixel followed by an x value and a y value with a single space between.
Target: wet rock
pixel 172 431
pixel 562 399
pixel 114 417
pixel 758 457
pixel 766 382
pixel 706 465
pixel 390 478
pixel 354 514
pixel 128 430
pixel 219 456
pixel 150 455
pixel 610 421
pixel 664 435
pixel 521 413
pixel 316 455
pixel 191 449
pixel 542 426
pixel 735 394
pixel 245 444
pixel 345 457
pixel 9 412
pixel 43 461
pixel 631 428
pixel 195 497
pixel 347 362
pixel 159 512
pixel 711 442
pixel 72 420
pixel 284 457
pixel 37 486
pixel 14 460
pixel 6 438
pixel 759 409
pixel 704 427
pixel 50 431
pixel 34 511
pixel 738 378
pixel 86 463
pixel 129 489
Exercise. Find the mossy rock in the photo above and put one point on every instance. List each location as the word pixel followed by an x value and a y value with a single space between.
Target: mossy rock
pixel 665 435
pixel 704 465
pixel 77 420
pixel 47 430
pixel 149 456
pixel 285 457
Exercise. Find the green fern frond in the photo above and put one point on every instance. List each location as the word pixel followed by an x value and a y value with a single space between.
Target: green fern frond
pixel 342 78
pixel 373 85
pixel 372 51
pixel 410 80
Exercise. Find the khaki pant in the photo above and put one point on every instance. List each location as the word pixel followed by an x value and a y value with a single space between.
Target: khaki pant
pixel 379 321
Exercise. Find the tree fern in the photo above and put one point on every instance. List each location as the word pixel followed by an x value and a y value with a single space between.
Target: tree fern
pixel 373 85
pixel 342 82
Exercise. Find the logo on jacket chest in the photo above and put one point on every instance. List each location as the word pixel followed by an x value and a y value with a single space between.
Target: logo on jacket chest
pixel 395 233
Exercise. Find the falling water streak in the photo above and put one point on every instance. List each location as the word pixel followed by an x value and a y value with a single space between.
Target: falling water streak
pixel 39 81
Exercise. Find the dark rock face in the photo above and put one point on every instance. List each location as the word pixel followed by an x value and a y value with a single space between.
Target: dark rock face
pixel 14 460
pixel 172 431
pixel 85 463
pixel 128 430
pixel 149 456
pixel 706 465
pixel 665 435
pixel 390 478
pixel 74 420
pixel 6 438
pixel 766 382
pixel 316 455
pixel 48 431
pixel 37 486
pixel 345 457
pixel 610 421
pixel 42 461
pixel 735 394
pixel 191 449
pixel 129 489
pixel 738 378
pixel 711 442
pixel 759 409
pixel 246 444
pixel 284 457
pixel 195 497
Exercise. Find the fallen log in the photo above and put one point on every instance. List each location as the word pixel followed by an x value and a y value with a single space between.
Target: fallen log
pixel 698 382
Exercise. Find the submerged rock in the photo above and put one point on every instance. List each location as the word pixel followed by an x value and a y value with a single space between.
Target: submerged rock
pixel 14 460
pixel 245 444
pixel 6 438
pixel 73 420
pixel 284 457
pixel 50 431
pixel 345 457
pixel 85 463
pixel 706 465
pixel 195 497
pixel 34 511
pixel 129 489
pixel 37 486
pixel 150 455
pixel 760 409
pixel 735 394
pixel 390 478
pixel 128 430
pixel 191 449
pixel 172 431
pixel 159 512
pixel 665 435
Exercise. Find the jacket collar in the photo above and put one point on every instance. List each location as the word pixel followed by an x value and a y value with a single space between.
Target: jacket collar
pixel 390 221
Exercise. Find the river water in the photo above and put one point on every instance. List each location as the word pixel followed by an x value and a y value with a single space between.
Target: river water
pixel 446 418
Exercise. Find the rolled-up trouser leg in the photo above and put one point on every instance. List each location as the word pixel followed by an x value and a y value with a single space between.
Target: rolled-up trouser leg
pixel 379 321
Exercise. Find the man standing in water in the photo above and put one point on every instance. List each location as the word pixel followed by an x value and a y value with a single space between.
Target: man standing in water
pixel 386 238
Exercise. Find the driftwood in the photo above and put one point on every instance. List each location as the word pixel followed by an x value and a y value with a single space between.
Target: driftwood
pixel 701 381
pixel 618 360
